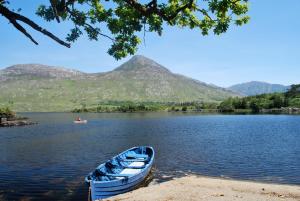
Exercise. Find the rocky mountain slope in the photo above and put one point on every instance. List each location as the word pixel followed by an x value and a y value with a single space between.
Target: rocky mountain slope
pixel 31 71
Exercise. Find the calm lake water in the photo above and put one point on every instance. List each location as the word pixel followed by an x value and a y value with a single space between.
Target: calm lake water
pixel 48 161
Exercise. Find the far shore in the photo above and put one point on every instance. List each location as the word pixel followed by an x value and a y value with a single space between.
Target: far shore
pixel 203 111
pixel 193 187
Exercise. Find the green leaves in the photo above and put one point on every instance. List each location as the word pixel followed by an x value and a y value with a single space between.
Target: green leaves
pixel 242 20
pixel 155 24
pixel 74 34
pixel 45 12
pixel 123 19
pixel 123 46
pixel 78 17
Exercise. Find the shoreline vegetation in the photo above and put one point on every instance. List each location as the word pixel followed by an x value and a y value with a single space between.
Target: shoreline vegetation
pixel 194 187
pixel 8 118
pixel 288 102
pixel 120 106
pixel 132 107
pixel 274 103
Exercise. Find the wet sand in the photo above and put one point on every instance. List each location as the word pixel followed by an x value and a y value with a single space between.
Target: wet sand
pixel 194 187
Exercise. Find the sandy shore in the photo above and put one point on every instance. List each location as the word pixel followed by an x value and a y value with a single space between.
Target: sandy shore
pixel 212 189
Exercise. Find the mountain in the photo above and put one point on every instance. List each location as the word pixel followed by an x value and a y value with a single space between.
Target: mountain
pixel 139 62
pixel 35 87
pixel 31 71
pixel 256 88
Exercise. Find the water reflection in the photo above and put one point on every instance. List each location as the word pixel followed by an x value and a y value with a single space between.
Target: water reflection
pixel 48 161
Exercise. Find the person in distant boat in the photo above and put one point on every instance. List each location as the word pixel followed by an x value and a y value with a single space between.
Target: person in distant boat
pixel 78 119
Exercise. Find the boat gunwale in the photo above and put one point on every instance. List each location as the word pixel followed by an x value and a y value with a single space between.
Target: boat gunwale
pixel 119 189
pixel 107 188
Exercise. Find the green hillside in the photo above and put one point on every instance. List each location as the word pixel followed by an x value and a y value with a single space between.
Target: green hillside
pixel 35 87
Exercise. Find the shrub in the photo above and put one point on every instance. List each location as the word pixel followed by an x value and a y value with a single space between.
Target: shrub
pixel 7 113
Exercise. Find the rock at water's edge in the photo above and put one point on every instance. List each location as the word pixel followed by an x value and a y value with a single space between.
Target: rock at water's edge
pixel 16 123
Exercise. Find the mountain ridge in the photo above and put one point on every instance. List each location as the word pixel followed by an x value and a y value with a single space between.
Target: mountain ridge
pixel 257 87
pixel 138 80
pixel 137 62
pixel 38 70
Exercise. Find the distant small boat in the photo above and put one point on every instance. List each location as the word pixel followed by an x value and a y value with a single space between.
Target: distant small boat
pixel 122 173
pixel 80 121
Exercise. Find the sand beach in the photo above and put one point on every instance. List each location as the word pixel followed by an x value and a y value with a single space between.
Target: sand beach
pixel 193 187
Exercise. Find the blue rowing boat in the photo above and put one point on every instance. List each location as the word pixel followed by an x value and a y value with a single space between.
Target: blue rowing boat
pixel 122 173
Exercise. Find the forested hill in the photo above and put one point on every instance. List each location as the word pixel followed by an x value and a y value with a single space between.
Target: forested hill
pixel 35 87
pixel 287 101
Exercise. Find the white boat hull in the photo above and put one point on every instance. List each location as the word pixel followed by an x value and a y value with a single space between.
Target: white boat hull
pixel 80 122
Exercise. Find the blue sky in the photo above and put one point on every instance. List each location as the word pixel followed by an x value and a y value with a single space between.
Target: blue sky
pixel 266 49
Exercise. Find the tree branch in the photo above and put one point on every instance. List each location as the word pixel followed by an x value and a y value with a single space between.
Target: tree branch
pixel 188 5
pixel 90 26
pixel 104 35
pixel 151 8
pixel 53 5
pixel 21 29
pixel 13 17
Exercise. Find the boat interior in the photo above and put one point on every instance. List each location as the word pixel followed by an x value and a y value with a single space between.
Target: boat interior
pixel 124 165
